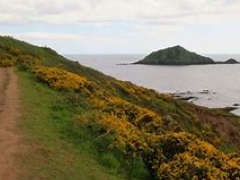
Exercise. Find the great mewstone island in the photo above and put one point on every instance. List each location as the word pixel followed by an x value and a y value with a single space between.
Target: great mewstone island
pixel 178 55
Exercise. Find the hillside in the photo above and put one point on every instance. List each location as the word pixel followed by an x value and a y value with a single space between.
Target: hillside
pixel 135 132
pixel 178 55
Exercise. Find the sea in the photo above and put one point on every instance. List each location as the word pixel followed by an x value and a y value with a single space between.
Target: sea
pixel 214 86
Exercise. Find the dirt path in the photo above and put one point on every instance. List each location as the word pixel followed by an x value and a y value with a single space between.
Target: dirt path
pixel 9 114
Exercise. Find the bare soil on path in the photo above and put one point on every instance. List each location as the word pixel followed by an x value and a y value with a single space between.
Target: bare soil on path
pixel 9 115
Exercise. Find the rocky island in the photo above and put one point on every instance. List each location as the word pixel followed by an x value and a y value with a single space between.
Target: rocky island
pixel 178 55
pixel 229 61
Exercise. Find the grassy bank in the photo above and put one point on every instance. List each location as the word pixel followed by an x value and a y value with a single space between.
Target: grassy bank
pixel 81 124
pixel 57 147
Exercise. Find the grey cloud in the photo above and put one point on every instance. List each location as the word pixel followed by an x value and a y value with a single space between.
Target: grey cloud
pixel 75 11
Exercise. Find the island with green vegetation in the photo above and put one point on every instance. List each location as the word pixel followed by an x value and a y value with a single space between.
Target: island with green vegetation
pixel 82 124
pixel 178 55
pixel 229 61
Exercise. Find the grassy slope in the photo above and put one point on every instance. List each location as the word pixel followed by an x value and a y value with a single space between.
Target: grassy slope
pixel 63 149
pixel 55 151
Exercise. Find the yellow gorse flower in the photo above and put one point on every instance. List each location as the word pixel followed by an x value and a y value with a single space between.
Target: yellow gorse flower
pixel 59 78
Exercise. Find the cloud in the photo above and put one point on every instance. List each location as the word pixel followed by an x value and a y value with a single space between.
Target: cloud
pixel 119 26
pixel 41 35
pixel 77 12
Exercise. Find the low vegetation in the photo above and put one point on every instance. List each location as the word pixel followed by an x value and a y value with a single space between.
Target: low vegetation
pixel 120 130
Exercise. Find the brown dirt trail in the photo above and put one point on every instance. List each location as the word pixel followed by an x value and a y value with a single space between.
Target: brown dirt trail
pixel 9 115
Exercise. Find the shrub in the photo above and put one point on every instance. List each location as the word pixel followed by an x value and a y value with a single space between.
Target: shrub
pixel 60 79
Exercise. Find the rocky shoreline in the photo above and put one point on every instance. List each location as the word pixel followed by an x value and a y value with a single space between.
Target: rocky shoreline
pixel 194 97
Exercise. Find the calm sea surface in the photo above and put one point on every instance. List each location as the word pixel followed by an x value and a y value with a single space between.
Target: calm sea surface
pixel 212 85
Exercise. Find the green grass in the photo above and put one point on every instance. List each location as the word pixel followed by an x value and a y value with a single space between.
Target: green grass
pixel 57 149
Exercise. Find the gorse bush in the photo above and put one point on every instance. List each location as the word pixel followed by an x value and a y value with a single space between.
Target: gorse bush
pixel 60 79
pixel 27 62
pixel 170 155
pixel 6 62
pixel 183 156
pixel 139 132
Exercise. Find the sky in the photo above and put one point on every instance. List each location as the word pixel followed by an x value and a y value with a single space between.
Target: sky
pixel 124 26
